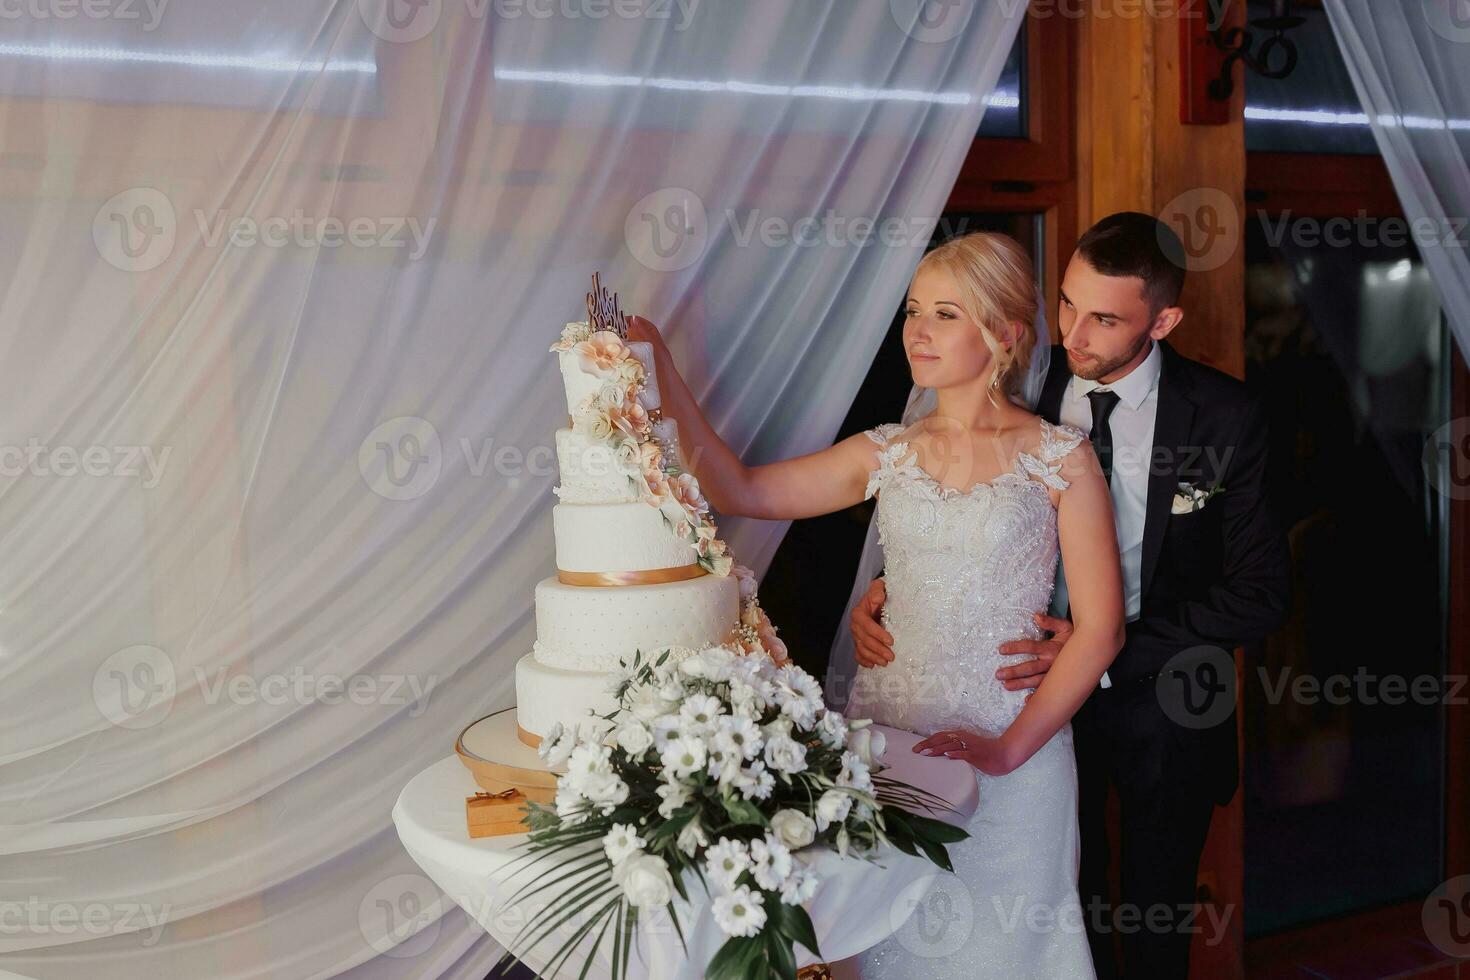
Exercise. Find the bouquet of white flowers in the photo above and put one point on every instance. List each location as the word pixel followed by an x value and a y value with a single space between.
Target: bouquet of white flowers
pixel 724 766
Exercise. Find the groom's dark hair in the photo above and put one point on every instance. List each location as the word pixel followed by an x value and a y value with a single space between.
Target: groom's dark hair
pixel 1130 243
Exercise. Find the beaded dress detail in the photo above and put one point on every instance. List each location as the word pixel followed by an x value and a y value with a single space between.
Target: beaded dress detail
pixel 964 572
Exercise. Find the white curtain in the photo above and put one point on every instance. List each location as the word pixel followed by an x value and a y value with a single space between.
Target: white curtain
pixel 276 407
pixel 1410 64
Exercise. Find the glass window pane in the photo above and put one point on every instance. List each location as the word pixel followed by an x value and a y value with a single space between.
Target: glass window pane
pixel 1005 115
pixel 1312 110
pixel 1343 769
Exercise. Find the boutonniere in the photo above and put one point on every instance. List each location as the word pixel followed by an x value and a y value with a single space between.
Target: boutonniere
pixel 1191 497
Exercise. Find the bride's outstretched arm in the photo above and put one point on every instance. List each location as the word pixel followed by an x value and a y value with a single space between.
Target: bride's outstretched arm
pixel 806 486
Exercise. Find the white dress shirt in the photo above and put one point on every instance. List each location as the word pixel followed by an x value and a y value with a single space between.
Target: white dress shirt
pixel 1132 428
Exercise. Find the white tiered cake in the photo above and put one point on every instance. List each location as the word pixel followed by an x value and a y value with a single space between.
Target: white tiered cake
pixel 638 565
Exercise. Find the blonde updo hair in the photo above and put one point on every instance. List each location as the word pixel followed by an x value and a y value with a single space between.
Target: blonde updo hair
pixel 997 286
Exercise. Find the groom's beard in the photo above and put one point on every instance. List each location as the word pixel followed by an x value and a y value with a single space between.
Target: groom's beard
pixel 1091 369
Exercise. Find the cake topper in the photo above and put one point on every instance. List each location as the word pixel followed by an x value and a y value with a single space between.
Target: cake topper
pixel 602 310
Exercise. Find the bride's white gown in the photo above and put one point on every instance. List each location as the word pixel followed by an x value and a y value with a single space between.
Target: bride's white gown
pixel 965 570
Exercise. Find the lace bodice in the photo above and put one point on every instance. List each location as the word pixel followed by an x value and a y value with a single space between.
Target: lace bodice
pixel 965 570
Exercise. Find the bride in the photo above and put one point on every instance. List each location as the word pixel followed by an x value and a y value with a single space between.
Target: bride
pixel 974 501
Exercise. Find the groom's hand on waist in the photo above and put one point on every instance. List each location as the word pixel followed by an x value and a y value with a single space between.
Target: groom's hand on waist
pixel 1028 673
pixel 872 643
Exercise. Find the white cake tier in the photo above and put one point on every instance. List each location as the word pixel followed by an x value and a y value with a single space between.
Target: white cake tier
pixel 580 383
pixel 591 628
pixel 622 537
pixel 546 694
pixel 590 473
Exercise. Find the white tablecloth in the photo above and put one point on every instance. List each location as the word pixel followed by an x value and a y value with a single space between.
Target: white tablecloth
pixel 858 903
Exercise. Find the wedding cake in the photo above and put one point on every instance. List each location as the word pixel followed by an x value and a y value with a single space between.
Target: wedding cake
pixel 639 565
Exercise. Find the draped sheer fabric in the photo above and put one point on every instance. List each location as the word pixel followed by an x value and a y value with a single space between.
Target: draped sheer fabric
pixel 276 407
pixel 1410 65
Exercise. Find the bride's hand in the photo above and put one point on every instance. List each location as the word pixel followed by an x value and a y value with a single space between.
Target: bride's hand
pixel 991 756
pixel 643 329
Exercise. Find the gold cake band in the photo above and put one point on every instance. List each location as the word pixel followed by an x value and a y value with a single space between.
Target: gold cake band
pixel 527 738
pixel 648 576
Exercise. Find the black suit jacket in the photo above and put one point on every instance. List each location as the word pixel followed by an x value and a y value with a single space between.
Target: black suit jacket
pixel 1218 577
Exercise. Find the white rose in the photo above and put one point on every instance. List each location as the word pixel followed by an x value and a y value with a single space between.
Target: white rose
pixel 645 881
pixel 793 828
pixel 785 754
pixel 627 457
pixel 867 744
pixel 832 808
pixel 634 739
pixel 631 372
pixel 647 704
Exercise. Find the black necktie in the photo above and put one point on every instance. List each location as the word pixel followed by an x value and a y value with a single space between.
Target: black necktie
pixel 1103 403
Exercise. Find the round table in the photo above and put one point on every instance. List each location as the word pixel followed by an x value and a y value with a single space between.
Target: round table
pixel 859 902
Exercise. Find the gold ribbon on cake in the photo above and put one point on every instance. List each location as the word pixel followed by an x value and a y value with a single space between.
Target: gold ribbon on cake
pixel 647 576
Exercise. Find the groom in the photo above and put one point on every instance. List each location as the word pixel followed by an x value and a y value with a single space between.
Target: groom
pixel 1205 568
